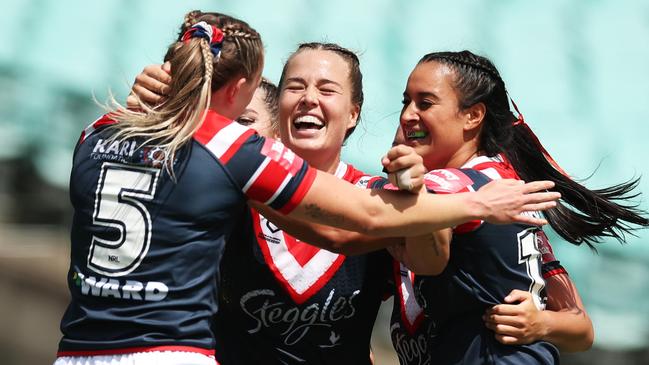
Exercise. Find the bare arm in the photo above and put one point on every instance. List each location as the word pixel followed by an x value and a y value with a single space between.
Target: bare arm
pixel 425 255
pixel 564 323
pixel 385 213
pixel 327 237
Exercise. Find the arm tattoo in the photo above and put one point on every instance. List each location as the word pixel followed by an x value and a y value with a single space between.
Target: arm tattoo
pixel 314 211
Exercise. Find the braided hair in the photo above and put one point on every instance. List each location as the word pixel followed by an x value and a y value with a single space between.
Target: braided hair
pixel 200 67
pixel 583 215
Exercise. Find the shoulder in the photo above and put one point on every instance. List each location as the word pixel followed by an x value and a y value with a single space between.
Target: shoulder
pixel 496 167
pixel 100 122
pixel 450 180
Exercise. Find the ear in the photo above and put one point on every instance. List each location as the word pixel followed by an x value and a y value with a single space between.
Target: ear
pixel 474 115
pixel 353 116
pixel 232 89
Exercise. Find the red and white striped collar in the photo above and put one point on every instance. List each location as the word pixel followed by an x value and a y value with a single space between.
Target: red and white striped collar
pixel 499 158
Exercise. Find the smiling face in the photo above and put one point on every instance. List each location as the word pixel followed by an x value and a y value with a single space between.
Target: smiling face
pixel 432 121
pixel 315 105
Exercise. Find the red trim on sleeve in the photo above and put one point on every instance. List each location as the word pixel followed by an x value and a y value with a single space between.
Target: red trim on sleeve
pixel 236 145
pixel 268 182
pixel 554 272
pixel 131 350
pixel 301 191
pixel 103 120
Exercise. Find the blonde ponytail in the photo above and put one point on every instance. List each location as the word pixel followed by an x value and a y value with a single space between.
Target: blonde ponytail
pixel 172 124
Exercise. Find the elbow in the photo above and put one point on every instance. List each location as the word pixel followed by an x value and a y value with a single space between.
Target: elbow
pixel 584 342
pixel 372 224
pixel 589 338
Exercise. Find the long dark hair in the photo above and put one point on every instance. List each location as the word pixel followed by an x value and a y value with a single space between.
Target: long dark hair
pixel 583 215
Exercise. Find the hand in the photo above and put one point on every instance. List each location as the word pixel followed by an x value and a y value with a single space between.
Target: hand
pixel 405 168
pixel 516 324
pixel 150 86
pixel 512 201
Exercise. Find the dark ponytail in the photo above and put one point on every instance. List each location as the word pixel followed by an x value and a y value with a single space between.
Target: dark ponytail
pixel 583 215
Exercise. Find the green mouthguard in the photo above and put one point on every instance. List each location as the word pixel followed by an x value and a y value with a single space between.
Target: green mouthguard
pixel 417 134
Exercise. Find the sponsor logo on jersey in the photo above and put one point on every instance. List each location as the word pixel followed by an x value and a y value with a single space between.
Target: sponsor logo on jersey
pixel 277 152
pixel 152 291
pixel 117 150
pixel 294 323
pixel 411 350
pixel 446 180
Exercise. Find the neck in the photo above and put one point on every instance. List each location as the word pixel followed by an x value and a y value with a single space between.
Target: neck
pixel 463 155
pixel 320 160
pixel 219 104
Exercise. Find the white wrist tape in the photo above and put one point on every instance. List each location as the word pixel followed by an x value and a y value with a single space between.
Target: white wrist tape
pixel 401 179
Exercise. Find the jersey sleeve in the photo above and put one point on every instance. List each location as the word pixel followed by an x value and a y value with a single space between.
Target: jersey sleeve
pixel 550 265
pixel 269 172
pixel 451 181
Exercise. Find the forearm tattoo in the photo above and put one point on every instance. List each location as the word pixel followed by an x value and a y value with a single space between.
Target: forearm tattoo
pixel 314 211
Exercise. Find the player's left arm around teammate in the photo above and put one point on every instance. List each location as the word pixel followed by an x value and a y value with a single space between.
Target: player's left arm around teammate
pixel 565 323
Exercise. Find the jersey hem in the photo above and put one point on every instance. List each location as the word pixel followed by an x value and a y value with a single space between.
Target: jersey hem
pixel 129 350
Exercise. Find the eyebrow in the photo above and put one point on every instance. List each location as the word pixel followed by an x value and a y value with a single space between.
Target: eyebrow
pixel 424 94
pixel 248 110
pixel 428 95
pixel 320 82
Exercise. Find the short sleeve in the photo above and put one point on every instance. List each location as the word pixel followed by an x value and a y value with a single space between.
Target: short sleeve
pixel 270 173
pixel 550 265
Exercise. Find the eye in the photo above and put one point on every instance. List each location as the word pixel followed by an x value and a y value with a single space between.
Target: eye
pixel 294 87
pixel 245 120
pixel 424 104
pixel 329 90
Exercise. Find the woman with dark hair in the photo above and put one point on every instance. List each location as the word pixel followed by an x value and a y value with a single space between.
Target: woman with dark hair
pixel 456 115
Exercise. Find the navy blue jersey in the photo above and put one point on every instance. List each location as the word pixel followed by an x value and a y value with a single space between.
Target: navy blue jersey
pixel 409 329
pixel 294 303
pixel 145 248
pixel 486 262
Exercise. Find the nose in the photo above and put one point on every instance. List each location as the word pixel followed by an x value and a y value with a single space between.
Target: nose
pixel 409 114
pixel 310 97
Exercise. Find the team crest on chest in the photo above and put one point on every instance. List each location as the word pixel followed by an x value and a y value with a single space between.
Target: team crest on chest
pixel 302 269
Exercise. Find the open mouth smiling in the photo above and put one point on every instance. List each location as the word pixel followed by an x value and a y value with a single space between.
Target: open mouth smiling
pixel 308 122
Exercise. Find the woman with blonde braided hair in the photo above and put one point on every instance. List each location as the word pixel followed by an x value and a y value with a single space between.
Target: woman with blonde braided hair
pixel 157 192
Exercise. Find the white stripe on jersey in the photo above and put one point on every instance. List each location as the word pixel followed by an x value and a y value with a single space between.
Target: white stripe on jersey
pixel 143 358
pixel 492 173
pixel 482 159
pixel 225 138
pixel 300 278
pixel 254 176
pixel 409 304
pixel 341 170
pixel 279 190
